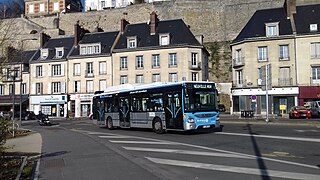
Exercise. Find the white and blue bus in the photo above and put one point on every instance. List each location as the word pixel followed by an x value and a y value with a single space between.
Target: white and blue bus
pixel 179 106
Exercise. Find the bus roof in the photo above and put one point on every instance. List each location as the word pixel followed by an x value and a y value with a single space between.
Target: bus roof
pixel 130 87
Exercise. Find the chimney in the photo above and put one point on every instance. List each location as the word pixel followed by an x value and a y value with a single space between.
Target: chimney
pixel 77 30
pixel 124 23
pixel 43 39
pixel 200 39
pixel 11 51
pixel 153 23
pixel 290 7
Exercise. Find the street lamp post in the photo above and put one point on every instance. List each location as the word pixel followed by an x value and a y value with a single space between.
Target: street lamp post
pixel 20 94
pixel 13 76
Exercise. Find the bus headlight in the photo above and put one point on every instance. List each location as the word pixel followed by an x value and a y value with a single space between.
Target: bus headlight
pixel 190 120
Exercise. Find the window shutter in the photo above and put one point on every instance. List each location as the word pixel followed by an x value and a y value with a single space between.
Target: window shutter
pixel 49 88
pixel 313 50
pixel 49 70
pixel 63 87
pixel 33 89
pixel 62 69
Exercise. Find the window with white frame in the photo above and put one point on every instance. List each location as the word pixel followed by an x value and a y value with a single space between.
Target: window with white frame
pixel 156 78
pixel 10 88
pixel 260 76
pixel 172 60
pixel 56 87
pixel 155 60
pixel 284 52
pixel 1 89
pixel 102 85
pixel 56 6
pixel 89 70
pixel 56 70
pixel 123 79
pixel 31 8
pixel 89 86
pixel 76 69
pixel 44 53
pixel 123 63
pixel 132 42
pixel 173 77
pixel 86 49
pixel 164 39
pixel 239 77
pixel 263 53
pixel 272 29
pixel 42 7
pixel 194 59
pixel 59 52
pixel 102 68
pixel 39 88
pixel 238 57
pixel 194 76
pixel 24 88
pixel 103 4
pixel 139 78
pixel 76 87
pixel 316 75
pixel 139 62
pixel 315 50
pixel 38 71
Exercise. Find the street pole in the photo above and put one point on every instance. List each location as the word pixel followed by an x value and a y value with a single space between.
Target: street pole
pixel 267 99
pixel 13 76
pixel 20 101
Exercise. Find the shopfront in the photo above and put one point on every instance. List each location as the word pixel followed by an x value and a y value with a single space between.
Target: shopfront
pixel 54 105
pixel 81 105
pixel 308 94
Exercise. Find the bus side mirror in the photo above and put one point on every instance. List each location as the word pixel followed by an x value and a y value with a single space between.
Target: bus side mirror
pixel 218 98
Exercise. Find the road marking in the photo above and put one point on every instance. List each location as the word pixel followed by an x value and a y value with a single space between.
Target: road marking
pixel 142 142
pixel 181 151
pixel 115 137
pixel 312 130
pixel 272 137
pixel 233 169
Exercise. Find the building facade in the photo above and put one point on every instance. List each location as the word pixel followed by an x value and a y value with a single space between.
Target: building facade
pixel 47 7
pixel 277 50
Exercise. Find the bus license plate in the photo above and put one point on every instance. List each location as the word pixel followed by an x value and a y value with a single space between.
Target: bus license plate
pixel 208 126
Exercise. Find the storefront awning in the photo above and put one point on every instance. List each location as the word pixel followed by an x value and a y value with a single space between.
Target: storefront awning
pixel 8 100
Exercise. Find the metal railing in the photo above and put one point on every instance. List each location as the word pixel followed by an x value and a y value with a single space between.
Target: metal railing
pixel 238 62
pixel 195 66
pixel 285 82
pixel 89 74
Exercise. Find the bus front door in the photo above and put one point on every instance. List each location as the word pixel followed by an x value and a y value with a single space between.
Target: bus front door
pixel 173 110
pixel 124 112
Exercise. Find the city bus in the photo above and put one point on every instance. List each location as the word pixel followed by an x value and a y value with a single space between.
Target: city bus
pixel 180 106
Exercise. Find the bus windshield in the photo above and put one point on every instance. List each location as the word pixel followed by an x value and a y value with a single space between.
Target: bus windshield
pixel 197 100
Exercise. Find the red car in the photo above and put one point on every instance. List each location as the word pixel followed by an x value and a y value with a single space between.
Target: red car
pixel 299 112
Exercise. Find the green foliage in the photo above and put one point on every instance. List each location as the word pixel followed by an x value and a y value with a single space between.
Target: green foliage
pixel 3 133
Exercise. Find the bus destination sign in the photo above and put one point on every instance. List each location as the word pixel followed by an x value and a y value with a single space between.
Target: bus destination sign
pixel 202 86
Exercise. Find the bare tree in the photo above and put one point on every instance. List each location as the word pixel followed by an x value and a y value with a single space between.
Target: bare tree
pixel 11 9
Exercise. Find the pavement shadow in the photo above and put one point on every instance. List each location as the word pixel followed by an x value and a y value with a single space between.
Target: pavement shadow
pixel 260 161
pixel 54 154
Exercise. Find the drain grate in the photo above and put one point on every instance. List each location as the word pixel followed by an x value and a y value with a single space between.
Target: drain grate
pixel 54 163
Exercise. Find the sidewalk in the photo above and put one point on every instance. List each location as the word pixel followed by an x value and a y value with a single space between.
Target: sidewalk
pixel 30 144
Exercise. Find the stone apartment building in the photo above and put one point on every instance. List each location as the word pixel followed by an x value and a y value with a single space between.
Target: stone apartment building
pixel 287 40
pixel 66 71
pixel 47 7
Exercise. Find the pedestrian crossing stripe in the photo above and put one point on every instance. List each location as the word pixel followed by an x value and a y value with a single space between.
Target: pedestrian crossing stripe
pixel 233 169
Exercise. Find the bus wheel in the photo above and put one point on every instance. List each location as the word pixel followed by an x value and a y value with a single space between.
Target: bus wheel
pixel 109 123
pixel 157 126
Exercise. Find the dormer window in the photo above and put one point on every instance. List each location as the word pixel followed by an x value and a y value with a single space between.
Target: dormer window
pixel 42 7
pixel 164 39
pixel 59 52
pixel 44 53
pixel 131 42
pixel 86 49
pixel 313 27
pixel 272 29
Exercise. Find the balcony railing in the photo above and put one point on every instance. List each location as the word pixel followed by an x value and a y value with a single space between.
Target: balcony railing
pixel 89 74
pixel 285 82
pixel 314 82
pixel 195 66
pixel 238 62
pixel 239 83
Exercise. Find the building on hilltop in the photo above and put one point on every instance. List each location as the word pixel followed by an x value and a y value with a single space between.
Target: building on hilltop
pixel 49 7
pixel 287 40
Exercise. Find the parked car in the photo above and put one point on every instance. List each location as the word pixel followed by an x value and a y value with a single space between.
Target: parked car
pixel 25 115
pixel 221 108
pixel 299 112
pixel 314 107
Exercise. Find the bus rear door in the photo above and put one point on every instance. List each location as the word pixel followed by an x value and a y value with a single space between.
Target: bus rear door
pixel 124 112
pixel 173 110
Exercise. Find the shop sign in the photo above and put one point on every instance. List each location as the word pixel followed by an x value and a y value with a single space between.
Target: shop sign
pixel 54 99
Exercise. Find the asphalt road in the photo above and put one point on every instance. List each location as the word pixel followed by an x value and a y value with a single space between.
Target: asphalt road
pixel 74 149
